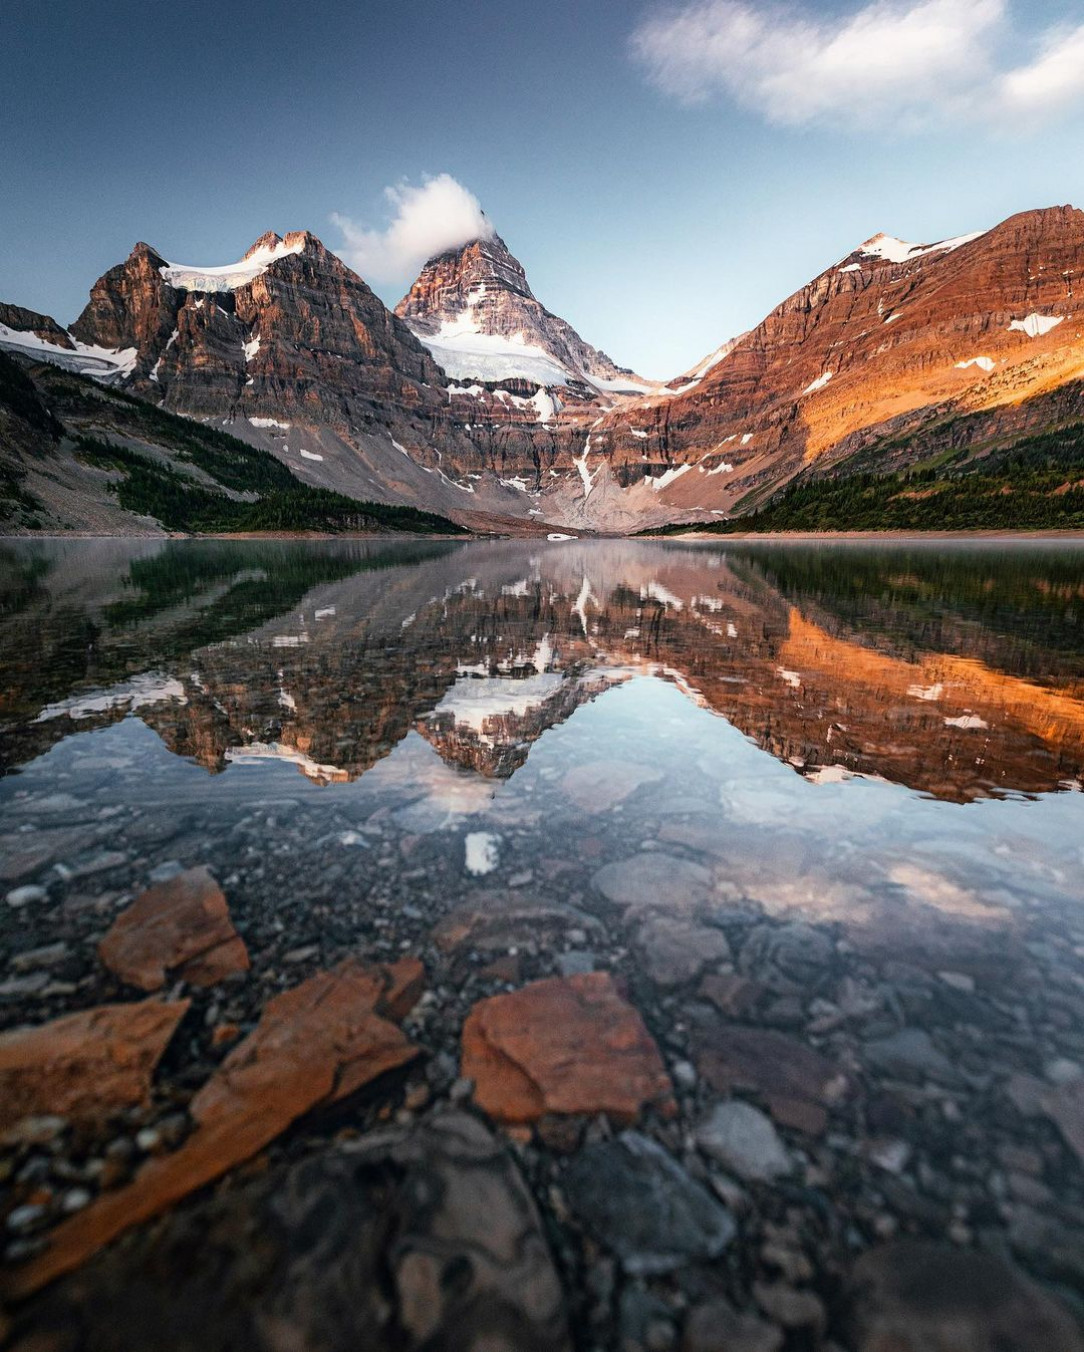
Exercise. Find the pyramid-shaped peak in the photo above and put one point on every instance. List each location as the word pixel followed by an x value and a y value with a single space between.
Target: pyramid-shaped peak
pixel 267 243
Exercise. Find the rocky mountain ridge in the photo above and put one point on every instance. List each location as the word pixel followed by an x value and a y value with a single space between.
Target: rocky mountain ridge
pixel 474 400
pixel 474 309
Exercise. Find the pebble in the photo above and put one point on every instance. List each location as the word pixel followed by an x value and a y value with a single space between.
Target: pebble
pixel 26 1218
pixel 29 895
pixel 744 1140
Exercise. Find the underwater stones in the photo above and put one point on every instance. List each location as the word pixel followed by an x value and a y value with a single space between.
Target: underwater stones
pixel 921 1296
pixel 640 1203
pixel 87 1065
pixel 413 1238
pixel 654 880
pixel 796 1082
pixel 178 928
pixel 563 1045
pixel 314 1045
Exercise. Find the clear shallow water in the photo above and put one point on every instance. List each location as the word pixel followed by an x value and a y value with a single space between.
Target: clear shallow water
pixel 861 765
pixel 839 729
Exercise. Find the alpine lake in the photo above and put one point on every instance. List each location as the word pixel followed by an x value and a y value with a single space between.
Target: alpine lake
pixel 538 945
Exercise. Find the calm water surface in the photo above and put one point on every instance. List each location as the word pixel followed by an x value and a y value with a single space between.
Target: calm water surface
pixel 843 730
pixel 811 807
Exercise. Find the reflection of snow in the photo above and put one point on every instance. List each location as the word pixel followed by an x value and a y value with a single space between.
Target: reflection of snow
pixel 149 687
pixel 276 751
pixel 968 721
pixel 473 703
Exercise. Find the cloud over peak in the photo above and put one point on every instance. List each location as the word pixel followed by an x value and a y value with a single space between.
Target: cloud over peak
pixel 429 218
pixel 901 63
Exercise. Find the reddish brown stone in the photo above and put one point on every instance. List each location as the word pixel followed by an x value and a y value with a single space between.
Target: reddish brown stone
pixel 562 1046
pixel 797 1083
pixel 86 1065
pixel 314 1045
pixel 180 928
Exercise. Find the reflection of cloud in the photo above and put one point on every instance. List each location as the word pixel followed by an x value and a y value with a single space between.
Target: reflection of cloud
pixel 441 793
pixel 934 889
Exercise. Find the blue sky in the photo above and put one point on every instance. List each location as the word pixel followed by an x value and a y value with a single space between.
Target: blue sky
pixel 666 174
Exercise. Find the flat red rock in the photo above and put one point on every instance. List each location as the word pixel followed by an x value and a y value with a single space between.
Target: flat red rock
pixel 314 1045
pixel 85 1066
pixel 180 928
pixel 562 1046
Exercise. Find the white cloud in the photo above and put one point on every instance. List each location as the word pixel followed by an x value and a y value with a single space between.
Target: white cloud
pixel 901 63
pixel 1053 81
pixel 437 215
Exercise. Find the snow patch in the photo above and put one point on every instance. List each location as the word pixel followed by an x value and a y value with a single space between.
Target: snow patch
pixel 986 363
pixel 667 478
pixel 270 422
pixel 231 275
pixel 1035 325
pixel 967 721
pixel 104 364
pixel 819 383
pixel 310 455
pixel 895 250
pixel 149 687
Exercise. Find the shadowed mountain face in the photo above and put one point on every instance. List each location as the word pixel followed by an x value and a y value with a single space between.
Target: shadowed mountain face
pixel 956 673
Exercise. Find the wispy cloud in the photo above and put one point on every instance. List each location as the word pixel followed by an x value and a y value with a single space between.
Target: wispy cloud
pixel 436 215
pixel 894 62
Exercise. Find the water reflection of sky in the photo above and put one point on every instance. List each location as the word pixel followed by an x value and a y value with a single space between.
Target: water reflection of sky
pixel 581 705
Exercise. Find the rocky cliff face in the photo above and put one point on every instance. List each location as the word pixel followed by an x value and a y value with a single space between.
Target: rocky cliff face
pixel 45 327
pixel 468 299
pixel 289 330
pixel 890 339
pixel 476 401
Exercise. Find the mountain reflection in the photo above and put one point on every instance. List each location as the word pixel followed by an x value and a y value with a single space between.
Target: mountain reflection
pixel 956 672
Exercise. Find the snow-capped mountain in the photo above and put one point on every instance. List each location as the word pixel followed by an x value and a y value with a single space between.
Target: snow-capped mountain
pixel 473 308
pixel 475 401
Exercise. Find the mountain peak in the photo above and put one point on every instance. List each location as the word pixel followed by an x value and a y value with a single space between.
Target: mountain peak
pixel 473 307
pixel 455 281
pixel 267 242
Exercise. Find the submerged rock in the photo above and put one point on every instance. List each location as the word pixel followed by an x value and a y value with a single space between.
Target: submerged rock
pixel 920 1296
pixel 797 1083
pixel 315 1044
pixel 85 1066
pixel 654 880
pixel 640 1203
pixel 564 1045
pixel 412 1239
pixel 742 1139
pixel 911 1053
pixel 178 928
pixel 597 787
pixel 494 921
pixel 676 949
